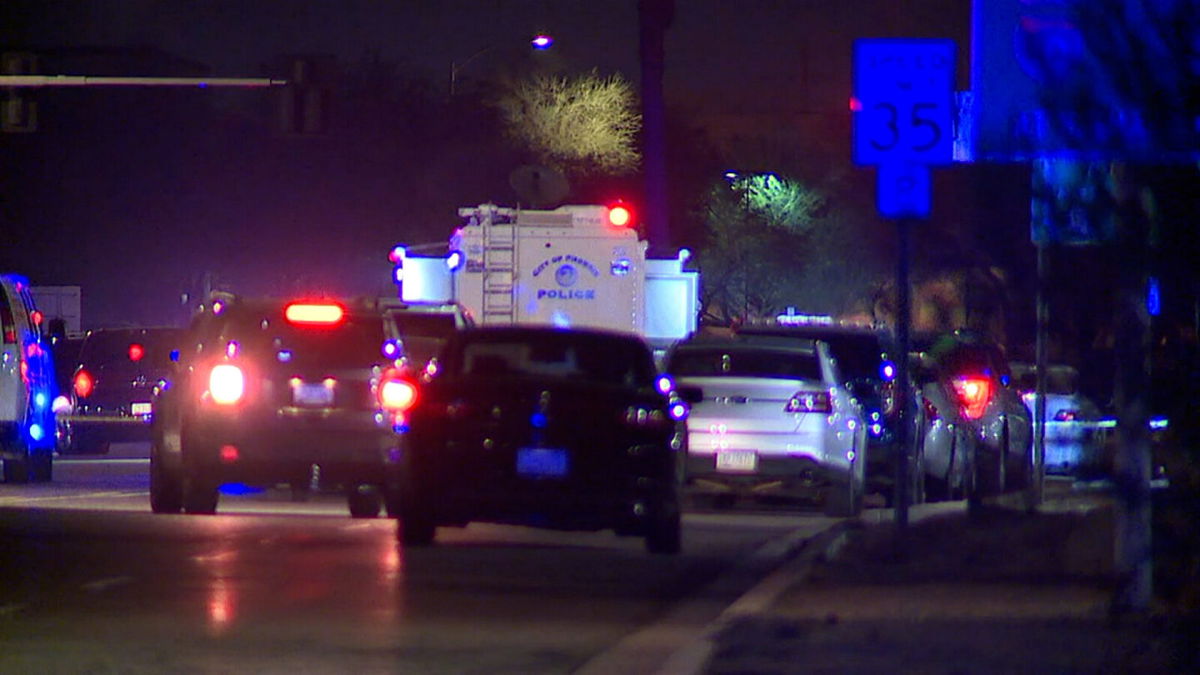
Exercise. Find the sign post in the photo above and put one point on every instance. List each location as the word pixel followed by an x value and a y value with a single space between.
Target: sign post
pixel 903 123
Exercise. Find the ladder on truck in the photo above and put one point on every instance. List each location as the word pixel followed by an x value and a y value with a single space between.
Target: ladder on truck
pixel 499 265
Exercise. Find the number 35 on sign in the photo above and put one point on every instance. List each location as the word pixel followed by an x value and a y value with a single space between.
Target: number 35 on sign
pixel 903 101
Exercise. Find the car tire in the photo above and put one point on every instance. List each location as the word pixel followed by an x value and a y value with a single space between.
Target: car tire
pixel 199 497
pixel 166 489
pixel 664 533
pixel 16 471
pixel 364 501
pixel 41 467
pixel 844 500
pixel 416 527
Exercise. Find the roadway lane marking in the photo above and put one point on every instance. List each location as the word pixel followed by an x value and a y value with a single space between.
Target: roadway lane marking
pixel 120 460
pixel 12 608
pixel 101 585
pixel 21 500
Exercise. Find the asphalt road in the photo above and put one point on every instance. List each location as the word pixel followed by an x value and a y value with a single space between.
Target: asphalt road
pixel 91 581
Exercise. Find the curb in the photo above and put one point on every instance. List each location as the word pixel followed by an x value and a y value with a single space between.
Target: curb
pixel 693 658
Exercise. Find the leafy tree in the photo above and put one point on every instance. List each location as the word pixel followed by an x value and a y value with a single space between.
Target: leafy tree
pixel 587 124
pixel 756 228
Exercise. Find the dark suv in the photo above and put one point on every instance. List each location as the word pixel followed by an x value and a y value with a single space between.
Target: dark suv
pixel 865 357
pixel 546 427
pixel 116 375
pixel 271 392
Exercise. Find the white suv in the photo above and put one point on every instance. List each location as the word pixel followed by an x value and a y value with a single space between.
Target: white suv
pixel 27 387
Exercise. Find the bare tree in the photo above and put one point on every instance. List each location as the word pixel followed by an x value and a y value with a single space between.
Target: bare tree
pixel 588 123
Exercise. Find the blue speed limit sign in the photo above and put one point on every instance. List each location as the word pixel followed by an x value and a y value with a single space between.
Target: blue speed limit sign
pixel 903 101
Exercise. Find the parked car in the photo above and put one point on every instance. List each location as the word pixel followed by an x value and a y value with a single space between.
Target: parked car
pixel 1076 429
pixel 866 359
pixel 66 359
pixel 269 392
pixel 27 388
pixel 423 328
pixel 118 372
pixel 979 433
pixel 545 427
pixel 772 416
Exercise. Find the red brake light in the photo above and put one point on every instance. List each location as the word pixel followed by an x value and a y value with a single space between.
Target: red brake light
pixel 36 317
pixel 325 314
pixel 974 393
pixel 397 393
pixel 84 384
pixel 809 402
pixel 136 352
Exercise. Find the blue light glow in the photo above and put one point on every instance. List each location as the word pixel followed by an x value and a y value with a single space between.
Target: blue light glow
pixel 538 420
pixel 36 432
pixel 888 371
pixel 664 384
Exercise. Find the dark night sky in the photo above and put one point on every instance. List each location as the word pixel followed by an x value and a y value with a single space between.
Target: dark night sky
pixel 119 197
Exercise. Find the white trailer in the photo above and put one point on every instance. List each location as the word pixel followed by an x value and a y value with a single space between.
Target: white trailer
pixel 60 302
pixel 571 266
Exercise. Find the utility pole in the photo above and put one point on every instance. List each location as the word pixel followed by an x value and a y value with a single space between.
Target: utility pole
pixel 654 16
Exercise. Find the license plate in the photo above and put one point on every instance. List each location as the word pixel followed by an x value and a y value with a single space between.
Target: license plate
pixel 737 461
pixel 312 394
pixel 541 462
pixel 139 408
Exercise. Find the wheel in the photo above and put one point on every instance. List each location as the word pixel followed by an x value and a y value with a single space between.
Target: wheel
pixel 844 499
pixel 41 466
pixel 17 470
pixel 391 502
pixel 166 489
pixel 664 535
pixel 199 497
pixel 415 522
pixel 365 501
pixel 415 527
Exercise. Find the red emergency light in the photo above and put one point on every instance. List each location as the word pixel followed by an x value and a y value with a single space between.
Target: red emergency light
pixel 620 215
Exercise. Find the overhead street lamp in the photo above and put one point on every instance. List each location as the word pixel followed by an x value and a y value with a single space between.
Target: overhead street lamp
pixel 539 42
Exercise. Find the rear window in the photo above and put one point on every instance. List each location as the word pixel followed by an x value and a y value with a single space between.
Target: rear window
pixel 355 341
pixel 858 354
pixel 140 348
pixel 717 362
pixel 557 355
pixel 423 334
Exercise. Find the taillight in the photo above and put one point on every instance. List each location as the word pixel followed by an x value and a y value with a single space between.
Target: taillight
pixel 396 393
pixel 809 402
pixel 84 384
pixel 1066 416
pixel 887 398
pixel 974 393
pixel 931 411
pixel 226 384
pixel 136 352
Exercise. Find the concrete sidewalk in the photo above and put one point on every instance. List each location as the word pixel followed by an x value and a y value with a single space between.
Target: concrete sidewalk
pixel 1003 592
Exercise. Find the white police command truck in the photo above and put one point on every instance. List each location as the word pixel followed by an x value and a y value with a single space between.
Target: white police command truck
pixel 574 266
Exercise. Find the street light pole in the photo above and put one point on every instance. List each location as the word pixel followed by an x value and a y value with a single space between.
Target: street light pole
pixel 540 42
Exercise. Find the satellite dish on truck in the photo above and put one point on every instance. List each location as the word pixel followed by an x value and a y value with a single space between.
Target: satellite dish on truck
pixel 539 186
